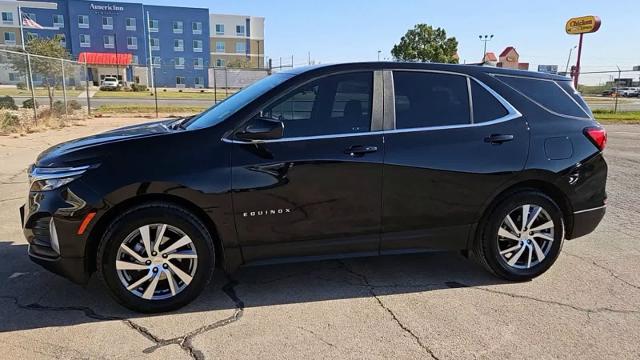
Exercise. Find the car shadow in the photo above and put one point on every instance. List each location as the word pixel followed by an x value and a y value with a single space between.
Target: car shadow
pixel 32 298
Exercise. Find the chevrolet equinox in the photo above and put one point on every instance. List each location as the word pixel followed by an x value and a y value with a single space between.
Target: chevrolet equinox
pixel 340 160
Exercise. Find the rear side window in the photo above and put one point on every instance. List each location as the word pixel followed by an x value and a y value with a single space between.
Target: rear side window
pixel 546 93
pixel 485 106
pixel 430 99
pixel 568 87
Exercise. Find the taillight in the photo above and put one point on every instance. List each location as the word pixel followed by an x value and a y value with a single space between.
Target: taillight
pixel 597 135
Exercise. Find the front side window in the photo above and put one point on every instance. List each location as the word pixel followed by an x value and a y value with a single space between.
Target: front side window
pixel 430 99
pixel 338 104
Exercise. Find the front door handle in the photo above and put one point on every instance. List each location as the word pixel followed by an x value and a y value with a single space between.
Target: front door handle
pixel 498 138
pixel 358 151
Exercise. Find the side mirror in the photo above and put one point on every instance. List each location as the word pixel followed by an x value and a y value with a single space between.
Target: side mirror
pixel 261 129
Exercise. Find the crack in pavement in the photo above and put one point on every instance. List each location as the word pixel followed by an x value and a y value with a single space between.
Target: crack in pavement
pixel 371 289
pixel 611 272
pixel 317 336
pixel 184 341
pixel 454 284
pixel 11 199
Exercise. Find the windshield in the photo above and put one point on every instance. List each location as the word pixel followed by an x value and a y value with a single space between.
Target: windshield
pixel 235 102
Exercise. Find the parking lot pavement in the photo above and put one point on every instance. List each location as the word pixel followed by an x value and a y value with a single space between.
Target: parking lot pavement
pixel 414 306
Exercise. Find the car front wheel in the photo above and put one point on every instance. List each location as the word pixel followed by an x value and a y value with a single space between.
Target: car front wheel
pixel 522 237
pixel 156 257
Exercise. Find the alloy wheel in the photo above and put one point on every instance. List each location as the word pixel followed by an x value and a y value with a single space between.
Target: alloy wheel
pixel 156 261
pixel 525 236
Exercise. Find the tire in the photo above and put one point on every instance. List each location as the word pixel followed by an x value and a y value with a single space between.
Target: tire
pixel 183 264
pixel 505 252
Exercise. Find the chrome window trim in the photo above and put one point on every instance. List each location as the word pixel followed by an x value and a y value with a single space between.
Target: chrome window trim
pixel 37 174
pixel 389 109
pixel 587 117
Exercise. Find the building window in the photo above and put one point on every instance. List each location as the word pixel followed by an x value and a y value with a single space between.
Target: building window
pixel 178 45
pixel 83 21
pixel 31 36
pixel 9 38
pixel 109 41
pixel 132 42
pixel 241 47
pixel 198 81
pixel 196 27
pixel 219 46
pixel 197 45
pixel 178 27
pixel 131 24
pixel 180 82
pixel 155 44
pixel 63 40
pixel 58 21
pixel 154 25
pixel 198 63
pixel 219 62
pixel 240 30
pixel 157 61
pixel 85 40
pixel 14 76
pixel 7 18
pixel 107 22
pixel 135 60
pixel 31 16
pixel 179 62
pixel 219 29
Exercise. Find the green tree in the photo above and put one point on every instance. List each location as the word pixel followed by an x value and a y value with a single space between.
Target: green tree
pixel 240 63
pixel 424 43
pixel 49 69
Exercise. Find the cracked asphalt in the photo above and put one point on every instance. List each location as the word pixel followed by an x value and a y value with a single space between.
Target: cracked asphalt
pixel 438 306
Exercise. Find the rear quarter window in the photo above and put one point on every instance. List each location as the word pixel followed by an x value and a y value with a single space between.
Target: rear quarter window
pixel 548 94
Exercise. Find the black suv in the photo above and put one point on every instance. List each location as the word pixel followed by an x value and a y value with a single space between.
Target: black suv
pixel 351 159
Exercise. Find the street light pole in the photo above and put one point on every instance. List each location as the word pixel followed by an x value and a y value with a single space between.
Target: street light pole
pixel 379 51
pixel 485 39
pixel 566 70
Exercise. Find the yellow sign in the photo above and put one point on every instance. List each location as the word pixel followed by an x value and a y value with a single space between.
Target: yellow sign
pixel 583 25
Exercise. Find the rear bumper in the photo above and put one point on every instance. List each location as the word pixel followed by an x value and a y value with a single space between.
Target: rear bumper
pixel 585 221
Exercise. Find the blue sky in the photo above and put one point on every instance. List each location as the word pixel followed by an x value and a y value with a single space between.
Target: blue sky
pixel 354 30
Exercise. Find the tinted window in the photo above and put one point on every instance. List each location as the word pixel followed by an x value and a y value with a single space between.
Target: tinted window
pixel 339 104
pixel 430 99
pixel 568 87
pixel 485 106
pixel 546 93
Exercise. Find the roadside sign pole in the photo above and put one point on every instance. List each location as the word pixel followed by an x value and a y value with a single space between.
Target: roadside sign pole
pixel 575 79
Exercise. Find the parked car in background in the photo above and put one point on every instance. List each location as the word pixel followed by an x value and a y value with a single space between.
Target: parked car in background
pixel 109 83
pixel 326 161
pixel 630 92
pixel 609 92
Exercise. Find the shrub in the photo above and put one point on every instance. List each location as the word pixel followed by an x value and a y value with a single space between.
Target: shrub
pixel 58 107
pixel 80 87
pixel 21 86
pixel 74 105
pixel 9 121
pixel 138 87
pixel 7 102
pixel 28 104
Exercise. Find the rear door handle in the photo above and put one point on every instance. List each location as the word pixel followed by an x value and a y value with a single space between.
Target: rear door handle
pixel 498 138
pixel 358 151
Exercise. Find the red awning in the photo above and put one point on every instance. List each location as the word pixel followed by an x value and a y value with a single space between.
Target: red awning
pixel 105 58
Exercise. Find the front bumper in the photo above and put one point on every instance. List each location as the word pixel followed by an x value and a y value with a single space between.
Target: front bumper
pixel 50 222
pixel 586 221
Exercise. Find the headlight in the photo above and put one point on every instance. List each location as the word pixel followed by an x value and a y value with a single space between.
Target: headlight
pixel 45 179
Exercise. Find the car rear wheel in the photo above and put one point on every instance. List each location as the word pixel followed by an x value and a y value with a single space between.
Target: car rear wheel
pixel 522 237
pixel 156 257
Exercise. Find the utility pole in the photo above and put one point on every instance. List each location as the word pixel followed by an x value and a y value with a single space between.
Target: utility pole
pixel 615 109
pixel 151 70
pixel 28 81
pixel 485 38
pixel 566 70
pixel 379 51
